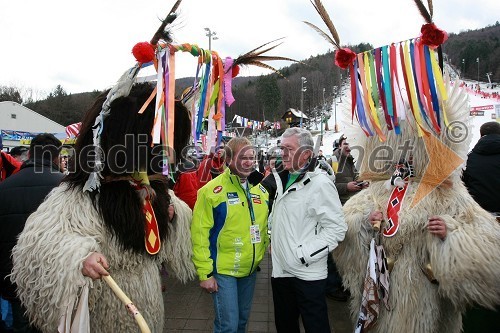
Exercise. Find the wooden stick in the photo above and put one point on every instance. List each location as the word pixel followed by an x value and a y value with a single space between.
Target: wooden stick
pixel 128 303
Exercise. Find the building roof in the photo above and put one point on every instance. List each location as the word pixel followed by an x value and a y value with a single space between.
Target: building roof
pixel 16 117
pixel 297 113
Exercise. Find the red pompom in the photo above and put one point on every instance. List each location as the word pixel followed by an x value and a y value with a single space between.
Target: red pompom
pixel 344 57
pixel 235 70
pixel 143 52
pixel 432 36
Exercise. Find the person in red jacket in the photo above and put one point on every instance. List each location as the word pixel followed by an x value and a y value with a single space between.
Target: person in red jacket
pixel 190 179
pixel 8 166
pixel 212 165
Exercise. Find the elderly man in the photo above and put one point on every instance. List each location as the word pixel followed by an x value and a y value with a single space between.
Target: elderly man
pixel 229 235
pixel 307 224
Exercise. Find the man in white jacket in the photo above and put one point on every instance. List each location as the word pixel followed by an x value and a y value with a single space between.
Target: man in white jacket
pixel 307 224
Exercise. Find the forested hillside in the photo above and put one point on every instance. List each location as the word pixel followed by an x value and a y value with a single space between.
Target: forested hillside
pixel 473 53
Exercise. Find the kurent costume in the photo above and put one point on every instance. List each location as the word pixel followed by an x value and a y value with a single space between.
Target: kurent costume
pixel 115 206
pixel 57 238
pixel 432 279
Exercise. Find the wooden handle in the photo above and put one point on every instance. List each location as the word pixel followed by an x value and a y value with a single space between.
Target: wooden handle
pixel 376 225
pixel 128 303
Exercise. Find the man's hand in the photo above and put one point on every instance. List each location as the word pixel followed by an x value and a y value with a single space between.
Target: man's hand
pixel 353 187
pixel 209 285
pixel 95 266
pixel 437 226
pixel 375 219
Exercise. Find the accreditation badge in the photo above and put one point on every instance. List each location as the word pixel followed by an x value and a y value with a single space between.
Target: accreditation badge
pixel 255 234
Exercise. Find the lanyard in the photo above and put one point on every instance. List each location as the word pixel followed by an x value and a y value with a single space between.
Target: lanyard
pixel 249 200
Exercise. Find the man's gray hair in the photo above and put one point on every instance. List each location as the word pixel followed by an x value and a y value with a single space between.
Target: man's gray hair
pixel 303 136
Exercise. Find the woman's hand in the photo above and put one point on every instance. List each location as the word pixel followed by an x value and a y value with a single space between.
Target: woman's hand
pixel 209 285
pixel 95 266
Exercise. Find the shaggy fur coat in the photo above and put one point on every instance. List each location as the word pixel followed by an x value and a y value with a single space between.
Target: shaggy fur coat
pixel 57 238
pixel 466 263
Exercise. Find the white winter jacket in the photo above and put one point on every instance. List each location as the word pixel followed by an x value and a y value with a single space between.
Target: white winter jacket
pixel 306 224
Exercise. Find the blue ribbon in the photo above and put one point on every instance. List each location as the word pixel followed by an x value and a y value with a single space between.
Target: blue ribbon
pixel 430 74
pixel 201 104
pixel 359 102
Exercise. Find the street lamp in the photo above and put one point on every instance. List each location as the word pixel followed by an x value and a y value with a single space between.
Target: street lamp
pixel 211 36
pixel 463 67
pixel 321 115
pixel 336 126
pixel 302 90
pixel 340 85
pixel 477 60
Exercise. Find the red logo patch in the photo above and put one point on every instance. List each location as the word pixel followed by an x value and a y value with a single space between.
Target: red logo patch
pixel 217 189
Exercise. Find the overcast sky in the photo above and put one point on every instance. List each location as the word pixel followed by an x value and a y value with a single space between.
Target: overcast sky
pixel 85 45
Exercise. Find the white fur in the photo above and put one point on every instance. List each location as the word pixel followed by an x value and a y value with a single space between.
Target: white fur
pixel 48 258
pixel 466 263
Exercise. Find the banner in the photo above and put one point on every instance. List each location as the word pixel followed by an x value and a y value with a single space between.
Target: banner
pixel 24 138
pixel 482 108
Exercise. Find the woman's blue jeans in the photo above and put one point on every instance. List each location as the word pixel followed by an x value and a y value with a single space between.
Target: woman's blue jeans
pixel 233 302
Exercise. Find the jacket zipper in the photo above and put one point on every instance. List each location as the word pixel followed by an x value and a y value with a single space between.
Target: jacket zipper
pixel 320 250
pixel 251 222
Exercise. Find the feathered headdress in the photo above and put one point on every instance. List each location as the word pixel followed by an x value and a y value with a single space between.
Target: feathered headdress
pixel 211 91
pixel 383 79
pixel 121 89
pixel 212 86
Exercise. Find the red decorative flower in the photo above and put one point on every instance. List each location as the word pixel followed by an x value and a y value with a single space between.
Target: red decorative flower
pixel 143 52
pixel 432 36
pixel 344 57
pixel 235 71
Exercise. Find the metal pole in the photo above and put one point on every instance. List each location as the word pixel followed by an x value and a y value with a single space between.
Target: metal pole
pixel 340 87
pixel 321 114
pixel 477 71
pixel 301 102
pixel 211 35
pixel 302 90
pixel 336 127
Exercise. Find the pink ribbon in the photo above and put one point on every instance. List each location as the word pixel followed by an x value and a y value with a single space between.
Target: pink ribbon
pixel 228 80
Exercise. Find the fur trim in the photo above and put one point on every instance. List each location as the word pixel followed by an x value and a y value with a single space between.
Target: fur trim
pixel 178 248
pixel 466 263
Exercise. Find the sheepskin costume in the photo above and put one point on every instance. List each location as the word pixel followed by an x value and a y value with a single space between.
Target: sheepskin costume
pixel 72 223
pixel 466 263
pixel 58 237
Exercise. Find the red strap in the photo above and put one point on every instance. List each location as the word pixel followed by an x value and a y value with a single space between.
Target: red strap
pixel 393 208
pixel 152 233
pixel 152 236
